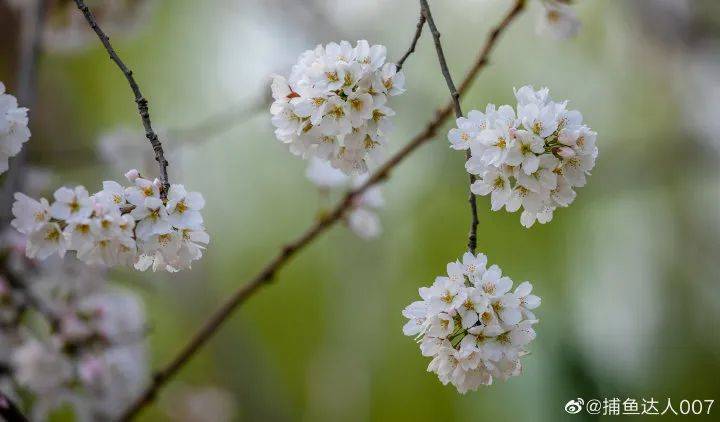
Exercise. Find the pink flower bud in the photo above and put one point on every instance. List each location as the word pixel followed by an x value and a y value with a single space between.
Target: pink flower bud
pixel 132 175
pixel 566 152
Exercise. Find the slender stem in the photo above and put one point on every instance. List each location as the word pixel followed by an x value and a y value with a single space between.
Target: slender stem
pixel 142 103
pixel 425 8
pixel 266 274
pixel 9 410
pixel 413 43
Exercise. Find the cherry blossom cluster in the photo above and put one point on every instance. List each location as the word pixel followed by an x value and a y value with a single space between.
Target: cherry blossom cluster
pixel 558 20
pixel 92 355
pixel 362 217
pixel 14 130
pixel 334 104
pixel 119 225
pixel 472 324
pixel 531 159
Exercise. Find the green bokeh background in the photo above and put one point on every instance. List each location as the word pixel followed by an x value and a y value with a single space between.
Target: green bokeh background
pixel 627 274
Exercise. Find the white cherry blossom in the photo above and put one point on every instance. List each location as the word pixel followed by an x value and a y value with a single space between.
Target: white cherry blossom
pixel 531 161
pixel 333 105
pixel 14 130
pixel 474 327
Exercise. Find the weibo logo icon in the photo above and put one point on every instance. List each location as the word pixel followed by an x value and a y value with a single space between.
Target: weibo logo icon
pixel 574 407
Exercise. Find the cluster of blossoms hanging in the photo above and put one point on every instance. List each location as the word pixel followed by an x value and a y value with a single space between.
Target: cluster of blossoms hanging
pixel 472 324
pixel 334 104
pixel 361 218
pixel 14 130
pixel 91 357
pixel 531 159
pixel 116 226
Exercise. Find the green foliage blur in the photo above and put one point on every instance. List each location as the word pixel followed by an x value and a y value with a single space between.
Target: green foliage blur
pixel 627 274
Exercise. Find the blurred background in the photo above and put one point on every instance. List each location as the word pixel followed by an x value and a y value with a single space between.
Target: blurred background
pixel 628 274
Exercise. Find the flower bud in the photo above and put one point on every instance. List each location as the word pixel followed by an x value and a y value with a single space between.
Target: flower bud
pixel 132 175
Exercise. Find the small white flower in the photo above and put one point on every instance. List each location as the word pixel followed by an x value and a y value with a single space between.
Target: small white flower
pixel 392 80
pixel 152 217
pixel 325 176
pixel 29 214
pixel 183 208
pixel 496 182
pixel 46 241
pixel 364 223
pixel 142 190
pixel 71 204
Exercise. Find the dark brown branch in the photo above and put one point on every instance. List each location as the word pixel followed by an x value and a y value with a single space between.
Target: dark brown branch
pixel 413 43
pixel 142 103
pixel 455 96
pixel 9 410
pixel 266 274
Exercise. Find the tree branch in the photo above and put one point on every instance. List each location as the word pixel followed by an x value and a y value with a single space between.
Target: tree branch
pixel 9 411
pixel 413 43
pixel 266 274
pixel 142 103
pixel 455 96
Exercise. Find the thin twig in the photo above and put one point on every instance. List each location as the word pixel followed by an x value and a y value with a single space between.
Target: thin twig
pixel 266 274
pixel 425 8
pixel 413 43
pixel 9 410
pixel 142 103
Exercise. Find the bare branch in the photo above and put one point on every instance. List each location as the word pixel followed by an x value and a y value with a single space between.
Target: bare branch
pixel 142 103
pixel 266 274
pixel 425 8
pixel 413 43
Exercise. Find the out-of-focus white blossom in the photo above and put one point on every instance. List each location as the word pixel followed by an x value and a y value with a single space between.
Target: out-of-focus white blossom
pixel 66 30
pixel 14 130
pixel 333 104
pixel 362 217
pixel 201 404
pixel 531 159
pixel 472 324
pixel 92 358
pixel 116 226
pixel 558 20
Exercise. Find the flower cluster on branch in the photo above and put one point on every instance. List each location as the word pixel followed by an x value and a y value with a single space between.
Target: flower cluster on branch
pixel 531 158
pixel 334 104
pixel 117 225
pixel 472 324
